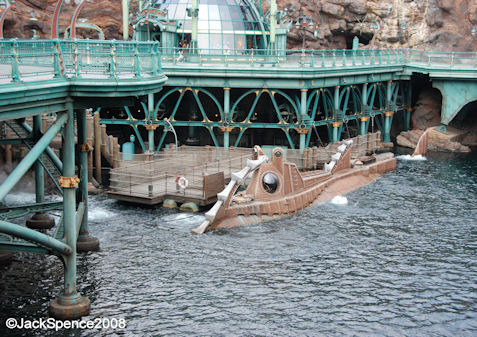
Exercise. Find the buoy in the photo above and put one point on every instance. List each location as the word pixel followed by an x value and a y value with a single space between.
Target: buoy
pixel 169 203
pixel 183 183
pixel 189 207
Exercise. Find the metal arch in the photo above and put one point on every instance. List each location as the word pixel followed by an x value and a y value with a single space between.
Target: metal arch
pixel 310 97
pixel 138 134
pixel 313 113
pixel 247 119
pixel 174 111
pixel 344 105
pixel 4 15
pixel 275 106
pixel 86 26
pixel 217 103
pixel 163 98
pixel 75 17
pixel 260 22
pixel 289 99
pixel 56 19
pixel 204 115
pixel 241 98
pixel 395 93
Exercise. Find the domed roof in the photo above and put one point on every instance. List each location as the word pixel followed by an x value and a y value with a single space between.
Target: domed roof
pixel 222 24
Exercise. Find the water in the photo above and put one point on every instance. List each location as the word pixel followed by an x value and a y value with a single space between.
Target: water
pixel 399 259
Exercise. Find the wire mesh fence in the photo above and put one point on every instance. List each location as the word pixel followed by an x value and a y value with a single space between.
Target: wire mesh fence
pixel 160 174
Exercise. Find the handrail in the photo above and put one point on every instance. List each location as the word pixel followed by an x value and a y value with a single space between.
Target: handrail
pixel 110 59
pixel 21 59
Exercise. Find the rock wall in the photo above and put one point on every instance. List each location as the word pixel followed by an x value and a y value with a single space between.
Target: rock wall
pixel 426 24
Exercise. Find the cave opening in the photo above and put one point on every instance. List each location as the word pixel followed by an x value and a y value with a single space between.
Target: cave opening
pixel 364 39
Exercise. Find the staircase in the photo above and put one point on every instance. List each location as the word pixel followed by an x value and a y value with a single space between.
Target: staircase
pixel 51 169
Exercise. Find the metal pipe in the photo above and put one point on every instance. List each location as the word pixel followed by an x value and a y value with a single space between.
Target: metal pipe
pixel 3 16
pixel 35 236
pixel 39 171
pixel 195 23
pixel 69 202
pixel 54 158
pixel 273 22
pixel 303 113
pixel 97 147
pixel 150 108
pixel 31 157
pixel 56 19
pixel 83 157
pixel 74 18
pixel 173 131
pixel 226 116
pixel 125 20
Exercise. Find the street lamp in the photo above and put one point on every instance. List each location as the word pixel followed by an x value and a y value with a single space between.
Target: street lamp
pixel 375 27
pixel 306 21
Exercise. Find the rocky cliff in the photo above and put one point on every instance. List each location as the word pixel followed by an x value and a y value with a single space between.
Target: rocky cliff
pixel 425 24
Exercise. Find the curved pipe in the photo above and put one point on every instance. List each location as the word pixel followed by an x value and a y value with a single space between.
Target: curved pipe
pixel 4 15
pixel 36 237
pixel 75 17
pixel 56 18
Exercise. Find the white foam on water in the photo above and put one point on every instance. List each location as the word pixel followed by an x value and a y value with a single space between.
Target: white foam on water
pixel 339 200
pixel 20 198
pixel 419 157
pixel 98 213
pixel 183 218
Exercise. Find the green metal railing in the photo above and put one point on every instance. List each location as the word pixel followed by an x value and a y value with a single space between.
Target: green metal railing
pixel 23 59
pixel 44 59
pixel 320 58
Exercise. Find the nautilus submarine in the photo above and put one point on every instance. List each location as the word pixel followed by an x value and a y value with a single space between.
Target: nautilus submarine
pixel 278 188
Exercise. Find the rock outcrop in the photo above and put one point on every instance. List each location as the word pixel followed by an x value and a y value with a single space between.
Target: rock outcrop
pixel 437 141
pixel 441 25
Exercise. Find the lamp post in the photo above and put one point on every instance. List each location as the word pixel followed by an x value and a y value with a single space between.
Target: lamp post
pixel 33 20
pixel 375 27
pixel 303 22
pixel 7 4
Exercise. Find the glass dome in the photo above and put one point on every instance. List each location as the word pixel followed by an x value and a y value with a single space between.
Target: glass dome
pixel 222 24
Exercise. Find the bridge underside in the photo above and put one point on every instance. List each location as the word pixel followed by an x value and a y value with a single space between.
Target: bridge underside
pixel 245 116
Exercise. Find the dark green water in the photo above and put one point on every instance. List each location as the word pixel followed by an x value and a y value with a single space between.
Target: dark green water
pixel 398 259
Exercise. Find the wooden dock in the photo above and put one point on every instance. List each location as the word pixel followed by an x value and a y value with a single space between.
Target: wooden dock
pixel 150 182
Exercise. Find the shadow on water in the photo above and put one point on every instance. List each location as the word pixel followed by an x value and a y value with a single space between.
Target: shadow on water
pixel 399 258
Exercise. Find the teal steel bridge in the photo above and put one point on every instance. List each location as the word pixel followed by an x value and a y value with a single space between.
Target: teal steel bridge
pixel 63 78
pixel 226 94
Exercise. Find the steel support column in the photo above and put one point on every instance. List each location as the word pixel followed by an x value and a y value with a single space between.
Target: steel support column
pixel 85 242
pixel 335 135
pixel 388 115
pixel 39 220
pixel 226 117
pixel 70 304
pixel 303 115
pixel 150 108
pixel 39 171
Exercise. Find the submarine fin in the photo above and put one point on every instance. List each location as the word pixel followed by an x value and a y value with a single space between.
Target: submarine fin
pixel 201 229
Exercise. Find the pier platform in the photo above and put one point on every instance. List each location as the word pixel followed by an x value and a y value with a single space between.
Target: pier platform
pixel 149 180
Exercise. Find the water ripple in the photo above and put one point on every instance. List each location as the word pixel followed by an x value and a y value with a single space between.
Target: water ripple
pixel 398 260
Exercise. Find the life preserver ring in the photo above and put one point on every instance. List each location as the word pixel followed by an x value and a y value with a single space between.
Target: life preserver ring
pixel 183 182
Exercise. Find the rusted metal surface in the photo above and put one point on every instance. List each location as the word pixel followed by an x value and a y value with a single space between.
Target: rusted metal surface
pixel 291 190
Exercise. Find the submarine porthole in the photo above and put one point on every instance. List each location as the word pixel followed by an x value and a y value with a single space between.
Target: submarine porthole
pixel 270 182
